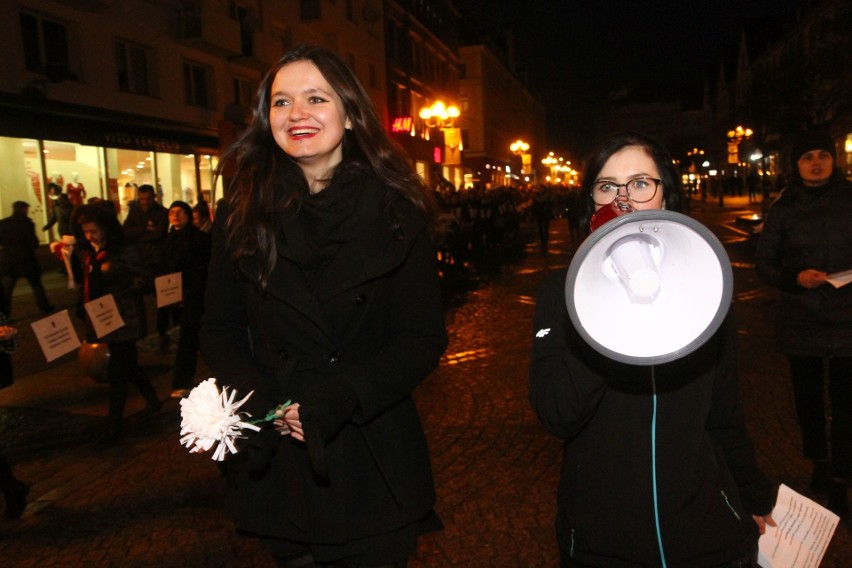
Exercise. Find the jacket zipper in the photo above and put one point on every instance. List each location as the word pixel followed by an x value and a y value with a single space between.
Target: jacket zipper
pixel 571 551
pixel 731 507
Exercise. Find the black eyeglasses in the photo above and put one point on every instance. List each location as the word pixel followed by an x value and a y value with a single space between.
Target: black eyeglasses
pixel 639 190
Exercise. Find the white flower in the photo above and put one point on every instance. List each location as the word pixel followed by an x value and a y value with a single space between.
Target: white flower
pixel 209 417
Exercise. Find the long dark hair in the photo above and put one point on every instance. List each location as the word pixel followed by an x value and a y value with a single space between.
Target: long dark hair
pixel 670 180
pixel 264 182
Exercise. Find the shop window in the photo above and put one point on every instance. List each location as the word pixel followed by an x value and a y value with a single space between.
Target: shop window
pixel 134 68
pixel 198 84
pixel 46 49
pixel 176 178
pixel 211 185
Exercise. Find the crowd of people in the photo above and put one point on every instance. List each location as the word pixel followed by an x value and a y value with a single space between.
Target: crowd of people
pixel 301 289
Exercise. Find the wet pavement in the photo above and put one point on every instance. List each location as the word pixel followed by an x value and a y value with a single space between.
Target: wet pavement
pixel 149 502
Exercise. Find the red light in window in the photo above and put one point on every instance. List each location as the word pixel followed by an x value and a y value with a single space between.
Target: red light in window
pixel 401 124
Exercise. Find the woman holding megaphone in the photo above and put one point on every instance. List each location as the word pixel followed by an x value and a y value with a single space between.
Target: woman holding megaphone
pixel 658 468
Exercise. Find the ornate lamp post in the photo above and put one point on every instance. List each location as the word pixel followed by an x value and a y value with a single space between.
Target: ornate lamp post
pixel 443 117
pixel 521 148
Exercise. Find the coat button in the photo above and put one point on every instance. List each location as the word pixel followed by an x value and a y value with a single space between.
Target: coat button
pixel 283 354
pixel 360 299
pixel 334 357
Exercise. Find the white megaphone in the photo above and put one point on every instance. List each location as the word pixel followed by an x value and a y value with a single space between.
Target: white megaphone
pixel 649 287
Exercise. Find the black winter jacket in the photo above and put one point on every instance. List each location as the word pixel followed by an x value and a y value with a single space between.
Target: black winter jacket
pixel 707 481
pixel 350 343
pixel 810 228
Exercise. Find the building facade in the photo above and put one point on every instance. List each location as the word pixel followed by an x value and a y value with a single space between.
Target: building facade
pixel 103 96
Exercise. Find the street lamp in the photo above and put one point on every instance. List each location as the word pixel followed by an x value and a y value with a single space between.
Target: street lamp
pixel 439 115
pixel 521 148
pixel 443 117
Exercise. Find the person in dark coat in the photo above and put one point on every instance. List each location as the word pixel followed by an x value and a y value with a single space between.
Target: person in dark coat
pixel 323 288
pixel 805 238
pixel 146 226
pixel 60 216
pixel 18 257
pixel 187 250
pixel 658 468
pixel 105 264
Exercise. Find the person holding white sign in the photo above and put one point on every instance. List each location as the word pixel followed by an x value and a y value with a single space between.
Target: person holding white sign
pixel 106 264
pixel 187 250
pixel 805 239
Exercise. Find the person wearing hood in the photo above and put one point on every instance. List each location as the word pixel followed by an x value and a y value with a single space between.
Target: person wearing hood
pixel 806 237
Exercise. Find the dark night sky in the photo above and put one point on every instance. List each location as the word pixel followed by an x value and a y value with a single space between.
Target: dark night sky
pixel 575 53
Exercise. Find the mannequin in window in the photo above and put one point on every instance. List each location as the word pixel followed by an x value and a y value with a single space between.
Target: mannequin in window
pixel 75 189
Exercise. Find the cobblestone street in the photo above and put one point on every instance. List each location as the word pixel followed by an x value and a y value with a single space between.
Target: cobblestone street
pixel 149 502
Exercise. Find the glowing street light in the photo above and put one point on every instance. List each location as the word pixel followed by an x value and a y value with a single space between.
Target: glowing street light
pixel 519 147
pixel 439 115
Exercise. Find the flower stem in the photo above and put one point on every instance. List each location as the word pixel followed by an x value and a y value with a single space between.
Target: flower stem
pixel 276 412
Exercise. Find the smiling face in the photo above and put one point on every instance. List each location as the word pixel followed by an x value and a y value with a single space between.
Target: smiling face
pixel 630 163
pixel 307 120
pixel 815 167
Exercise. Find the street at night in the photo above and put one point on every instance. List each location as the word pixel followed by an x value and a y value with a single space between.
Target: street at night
pixel 148 502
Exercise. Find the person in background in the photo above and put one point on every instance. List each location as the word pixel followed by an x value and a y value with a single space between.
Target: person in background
pixel 201 217
pixel 146 226
pixel 60 215
pixel 106 264
pixel 806 236
pixel 323 289
pixel 187 250
pixel 695 495
pixel 13 489
pixel 18 258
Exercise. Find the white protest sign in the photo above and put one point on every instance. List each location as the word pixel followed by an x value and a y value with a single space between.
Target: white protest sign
pixel 56 336
pixel 169 289
pixel 103 313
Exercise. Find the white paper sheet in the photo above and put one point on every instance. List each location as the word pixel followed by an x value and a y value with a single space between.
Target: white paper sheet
pixel 840 279
pixel 804 530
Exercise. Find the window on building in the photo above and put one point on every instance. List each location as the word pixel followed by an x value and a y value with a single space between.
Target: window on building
pixel 310 9
pixel 46 47
pixel 134 68
pixel 244 93
pixel 198 84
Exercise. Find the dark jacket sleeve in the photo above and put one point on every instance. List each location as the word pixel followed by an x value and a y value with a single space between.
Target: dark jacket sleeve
pixel 418 335
pixel 564 391
pixel 224 336
pixel 770 251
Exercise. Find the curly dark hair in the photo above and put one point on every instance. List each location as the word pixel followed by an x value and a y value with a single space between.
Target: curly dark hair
pixel 101 213
pixel 264 182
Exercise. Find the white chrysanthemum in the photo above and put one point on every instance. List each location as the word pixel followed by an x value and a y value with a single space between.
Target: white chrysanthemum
pixel 209 417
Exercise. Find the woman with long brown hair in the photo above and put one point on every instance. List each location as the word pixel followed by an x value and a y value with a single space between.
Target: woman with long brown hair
pixel 323 289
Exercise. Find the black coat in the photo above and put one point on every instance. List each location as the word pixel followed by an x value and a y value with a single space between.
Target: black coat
pixel 808 228
pixel 707 479
pixel 365 334
pixel 19 243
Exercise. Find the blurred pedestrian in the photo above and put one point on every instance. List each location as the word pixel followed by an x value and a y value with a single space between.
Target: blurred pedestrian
pixel 201 217
pixel 60 215
pixel 323 289
pixel 187 250
pixel 146 226
pixel 658 468
pixel 107 264
pixel 18 257
pixel 13 489
pixel 806 237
